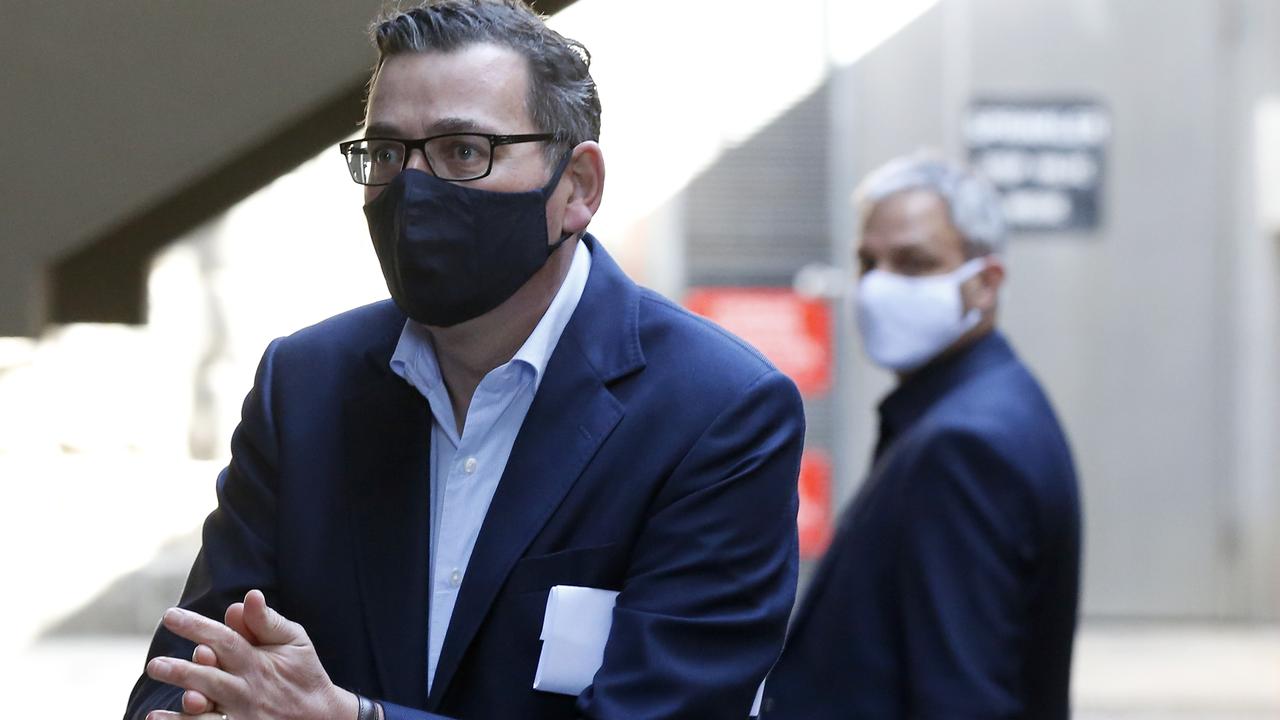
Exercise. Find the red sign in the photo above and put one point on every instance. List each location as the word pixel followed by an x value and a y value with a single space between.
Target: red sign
pixel 794 332
pixel 814 519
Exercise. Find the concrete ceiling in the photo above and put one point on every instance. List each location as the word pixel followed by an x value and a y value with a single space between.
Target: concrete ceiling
pixel 135 120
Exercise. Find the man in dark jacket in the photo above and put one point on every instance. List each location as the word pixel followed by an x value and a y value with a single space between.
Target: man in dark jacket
pixel 412 482
pixel 951 587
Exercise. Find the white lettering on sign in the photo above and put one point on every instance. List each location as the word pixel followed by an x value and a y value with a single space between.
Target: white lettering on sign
pixel 1045 158
pixel 1037 207
pixel 1053 126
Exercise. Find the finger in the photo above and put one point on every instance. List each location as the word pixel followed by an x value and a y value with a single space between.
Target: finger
pixel 170 715
pixel 234 619
pixel 204 655
pixel 231 649
pixel 194 702
pixel 215 684
pixel 269 626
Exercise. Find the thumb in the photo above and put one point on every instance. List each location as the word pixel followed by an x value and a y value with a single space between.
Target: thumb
pixel 267 625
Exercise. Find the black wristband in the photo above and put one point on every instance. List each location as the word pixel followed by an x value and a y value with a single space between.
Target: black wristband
pixel 367 710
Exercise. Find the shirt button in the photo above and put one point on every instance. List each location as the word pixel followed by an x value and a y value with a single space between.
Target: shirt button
pixel 470 465
pixel 455 578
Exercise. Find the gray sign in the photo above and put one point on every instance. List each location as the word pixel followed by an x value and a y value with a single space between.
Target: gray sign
pixel 1045 158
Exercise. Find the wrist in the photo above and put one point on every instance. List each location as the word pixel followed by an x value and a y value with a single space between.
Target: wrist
pixel 345 705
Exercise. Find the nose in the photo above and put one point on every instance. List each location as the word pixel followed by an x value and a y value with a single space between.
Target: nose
pixel 417 160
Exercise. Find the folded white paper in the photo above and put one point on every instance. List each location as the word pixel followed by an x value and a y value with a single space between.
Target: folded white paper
pixel 575 629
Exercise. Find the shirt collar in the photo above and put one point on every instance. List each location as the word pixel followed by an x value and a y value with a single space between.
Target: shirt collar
pixel 415 360
pixel 906 404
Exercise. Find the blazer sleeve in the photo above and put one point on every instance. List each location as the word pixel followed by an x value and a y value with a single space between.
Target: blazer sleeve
pixel 238 541
pixel 701 616
pixel 965 547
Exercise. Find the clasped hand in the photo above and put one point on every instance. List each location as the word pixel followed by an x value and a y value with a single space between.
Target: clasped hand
pixel 258 665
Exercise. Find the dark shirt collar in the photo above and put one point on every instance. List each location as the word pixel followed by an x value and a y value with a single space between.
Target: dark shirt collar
pixel 910 400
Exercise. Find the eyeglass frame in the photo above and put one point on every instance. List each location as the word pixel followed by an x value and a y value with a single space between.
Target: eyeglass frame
pixel 420 144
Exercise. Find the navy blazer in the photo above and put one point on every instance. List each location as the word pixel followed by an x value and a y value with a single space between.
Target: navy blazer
pixel 659 459
pixel 950 588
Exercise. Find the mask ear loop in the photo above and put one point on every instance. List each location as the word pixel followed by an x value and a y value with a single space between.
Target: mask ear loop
pixel 971 269
pixel 553 247
pixel 550 188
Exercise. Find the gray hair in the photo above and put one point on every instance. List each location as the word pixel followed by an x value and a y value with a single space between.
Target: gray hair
pixel 562 96
pixel 974 205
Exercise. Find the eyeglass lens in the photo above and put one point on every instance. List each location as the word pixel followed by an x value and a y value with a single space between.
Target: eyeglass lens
pixel 451 157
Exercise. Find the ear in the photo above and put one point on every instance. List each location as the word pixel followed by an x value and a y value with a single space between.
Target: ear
pixel 585 176
pixel 982 291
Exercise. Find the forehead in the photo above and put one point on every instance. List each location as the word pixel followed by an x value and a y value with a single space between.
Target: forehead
pixel 910 218
pixel 481 84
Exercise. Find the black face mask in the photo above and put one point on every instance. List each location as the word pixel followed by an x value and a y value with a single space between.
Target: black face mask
pixel 451 253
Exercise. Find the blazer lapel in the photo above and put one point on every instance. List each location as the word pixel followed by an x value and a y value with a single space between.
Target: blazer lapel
pixel 571 416
pixel 388 435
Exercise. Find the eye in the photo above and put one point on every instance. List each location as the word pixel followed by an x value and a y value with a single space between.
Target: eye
pixel 458 157
pixel 464 150
pixel 386 153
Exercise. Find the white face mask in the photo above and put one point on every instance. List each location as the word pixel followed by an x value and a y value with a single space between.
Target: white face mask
pixel 906 321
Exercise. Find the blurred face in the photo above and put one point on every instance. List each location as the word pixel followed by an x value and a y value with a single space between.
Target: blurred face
pixel 910 233
pixel 477 88
pixel 907 314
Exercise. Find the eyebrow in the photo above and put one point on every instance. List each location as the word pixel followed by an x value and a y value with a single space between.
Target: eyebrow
pixel 441 126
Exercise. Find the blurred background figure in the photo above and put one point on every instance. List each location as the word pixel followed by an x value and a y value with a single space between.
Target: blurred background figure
pixel 950 588
pixel 174 203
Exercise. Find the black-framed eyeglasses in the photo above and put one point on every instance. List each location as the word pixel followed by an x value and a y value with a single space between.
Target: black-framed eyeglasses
pixel 452 156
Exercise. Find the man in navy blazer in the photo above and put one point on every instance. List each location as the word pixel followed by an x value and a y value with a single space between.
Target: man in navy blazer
pixel 410 479
pixel 950 588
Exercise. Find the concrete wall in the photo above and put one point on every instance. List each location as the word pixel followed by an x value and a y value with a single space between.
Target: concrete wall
pixel 1156 335
pixel 1253 127
pixel 112 107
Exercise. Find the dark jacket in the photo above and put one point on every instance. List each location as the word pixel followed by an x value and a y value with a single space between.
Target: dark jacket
pixel 659 458
pixel 950 588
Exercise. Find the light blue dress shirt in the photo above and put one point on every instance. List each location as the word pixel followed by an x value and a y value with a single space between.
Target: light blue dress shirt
pixel 466 468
